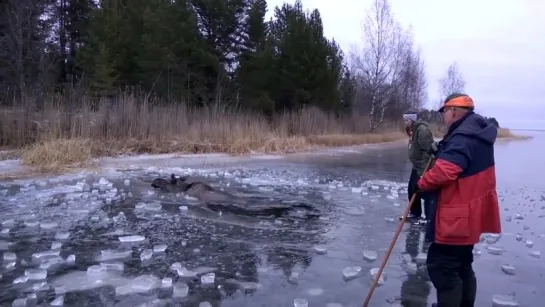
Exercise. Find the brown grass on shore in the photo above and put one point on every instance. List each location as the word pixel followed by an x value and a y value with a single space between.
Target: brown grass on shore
pixel 55 136
pixel 503 133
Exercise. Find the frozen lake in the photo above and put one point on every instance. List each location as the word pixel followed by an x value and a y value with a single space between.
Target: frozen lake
pixel 108 239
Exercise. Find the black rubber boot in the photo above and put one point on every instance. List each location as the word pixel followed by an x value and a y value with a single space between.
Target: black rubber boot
pixel 469 293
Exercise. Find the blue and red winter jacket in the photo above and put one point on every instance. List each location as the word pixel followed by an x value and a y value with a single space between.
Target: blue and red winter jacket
pixel 465 177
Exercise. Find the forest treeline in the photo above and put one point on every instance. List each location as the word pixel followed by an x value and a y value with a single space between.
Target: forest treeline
pixel 202 52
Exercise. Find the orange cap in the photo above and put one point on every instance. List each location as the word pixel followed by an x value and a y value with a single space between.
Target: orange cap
pixel 458 100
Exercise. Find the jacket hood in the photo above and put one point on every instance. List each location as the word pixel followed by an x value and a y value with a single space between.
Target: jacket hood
pixel 475 126
pixel 419 123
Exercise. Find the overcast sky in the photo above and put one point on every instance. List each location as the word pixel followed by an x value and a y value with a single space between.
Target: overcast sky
pixel 499 46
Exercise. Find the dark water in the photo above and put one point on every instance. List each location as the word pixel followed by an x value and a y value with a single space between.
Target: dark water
pixel 258 261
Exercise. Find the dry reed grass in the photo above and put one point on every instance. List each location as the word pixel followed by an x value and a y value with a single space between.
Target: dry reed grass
pixel 61 134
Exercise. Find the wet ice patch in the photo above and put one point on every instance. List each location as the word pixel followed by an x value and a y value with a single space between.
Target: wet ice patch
pixel 300 302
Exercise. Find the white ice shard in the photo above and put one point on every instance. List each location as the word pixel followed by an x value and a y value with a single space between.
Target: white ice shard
pixel 351 272
pixel 36 274
pixel 180 290
pixel 146 254
pixel 374 272
pixel 370 255
pixel 132 239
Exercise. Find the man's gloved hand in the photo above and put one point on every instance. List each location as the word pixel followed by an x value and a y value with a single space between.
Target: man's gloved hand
pixel 434 148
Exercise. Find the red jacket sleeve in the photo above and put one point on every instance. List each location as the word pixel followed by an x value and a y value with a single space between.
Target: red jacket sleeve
pixel 440 174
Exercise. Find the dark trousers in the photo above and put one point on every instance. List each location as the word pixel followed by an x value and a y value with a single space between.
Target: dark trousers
pixel 416 208
pixel 451 273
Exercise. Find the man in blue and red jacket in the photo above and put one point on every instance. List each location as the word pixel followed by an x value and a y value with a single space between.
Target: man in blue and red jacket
pixel 463 178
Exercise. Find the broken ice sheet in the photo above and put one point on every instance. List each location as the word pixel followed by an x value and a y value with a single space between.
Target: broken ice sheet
pixel 9 257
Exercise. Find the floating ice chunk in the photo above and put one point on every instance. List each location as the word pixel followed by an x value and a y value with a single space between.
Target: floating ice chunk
pixel 518 237
pixel 159 248
pixel 410 267
pixel 96 270
pixel 294 277
pixel 183 208
pixel 153 206
pixel 492 238
pixel 357 190
pixel 175 266
pixel 58 301
pixel 51 263
pixel 374 272
pixel 40 286
pixel 8 223
pixel 333 305
pixel 10 266
pixel 535 254
pixel 49 225
pixel 146 254
pixel 140 284
pixel 369 255
pixel 494 250
pixel 529 243
pixel 320 250
pixel 36 274
pixel 20 280
pixel 20 302
pixel 140 206
pixel 62 235
pixel 71 259
pixel 208 279
pixel 315 291
pixel 132 239
pixel 504 301
pixel 351 272
pixel 300 302
pixel 518 216
pixel 183 272
pixel 45 254
pixel 127 182
pixel 5 231
pixel 389 219
pixel 9 257
pixel 56 245
pixel 31 223
pixel 166 282
pixel 103 181
pixel 205 304
pixel 113 266
pixel 180 290
pixel 421 258
pixel 108 254
pixel 508 269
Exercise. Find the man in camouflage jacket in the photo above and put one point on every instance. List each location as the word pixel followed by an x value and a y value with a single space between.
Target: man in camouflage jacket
pixel 420 142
